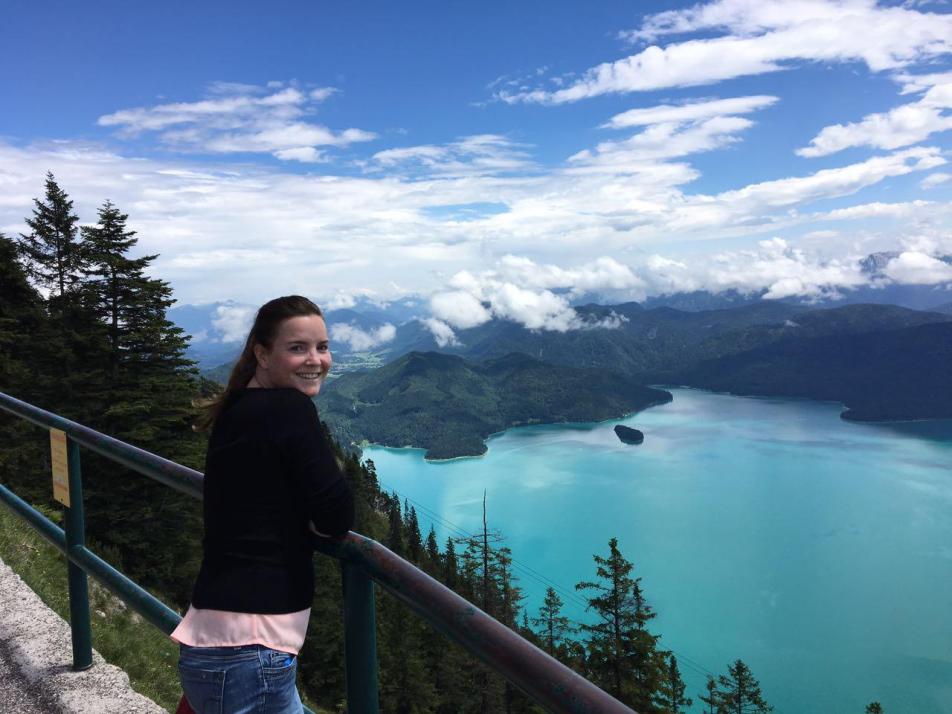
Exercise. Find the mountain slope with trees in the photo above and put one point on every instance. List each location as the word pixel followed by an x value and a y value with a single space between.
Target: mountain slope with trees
pixel 886 375
pixel 449 405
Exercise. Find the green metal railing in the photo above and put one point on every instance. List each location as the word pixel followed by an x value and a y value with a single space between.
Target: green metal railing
pixel 363 562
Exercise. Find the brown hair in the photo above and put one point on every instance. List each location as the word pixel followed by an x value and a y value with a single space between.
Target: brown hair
pixel 263 331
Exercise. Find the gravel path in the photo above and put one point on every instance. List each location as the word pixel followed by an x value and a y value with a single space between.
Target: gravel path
pixel 36 655
pixel 15 694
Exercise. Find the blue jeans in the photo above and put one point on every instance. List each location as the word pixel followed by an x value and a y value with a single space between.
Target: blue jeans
pixel 250 679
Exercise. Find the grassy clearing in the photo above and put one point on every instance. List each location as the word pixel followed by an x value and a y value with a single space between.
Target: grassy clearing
pixel 121 636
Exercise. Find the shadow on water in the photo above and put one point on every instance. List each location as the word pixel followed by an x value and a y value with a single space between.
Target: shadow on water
pixel 939 430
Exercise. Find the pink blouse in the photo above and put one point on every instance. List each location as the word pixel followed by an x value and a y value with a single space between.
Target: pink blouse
pixel 219 628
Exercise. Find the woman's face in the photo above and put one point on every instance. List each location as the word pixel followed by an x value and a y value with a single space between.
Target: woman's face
pixel 299 358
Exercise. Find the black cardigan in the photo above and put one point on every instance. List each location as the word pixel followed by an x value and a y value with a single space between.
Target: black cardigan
pixel 269 470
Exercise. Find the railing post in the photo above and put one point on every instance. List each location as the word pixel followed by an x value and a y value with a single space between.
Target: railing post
pixel 360 640
pixel 78 587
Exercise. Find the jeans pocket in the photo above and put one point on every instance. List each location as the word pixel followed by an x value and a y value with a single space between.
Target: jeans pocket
pixel 204 688
pixel 278 662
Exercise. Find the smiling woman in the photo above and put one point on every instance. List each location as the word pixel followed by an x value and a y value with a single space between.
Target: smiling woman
pixel 271 483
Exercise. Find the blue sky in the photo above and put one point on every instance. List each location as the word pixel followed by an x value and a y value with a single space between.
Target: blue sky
pixel 494 158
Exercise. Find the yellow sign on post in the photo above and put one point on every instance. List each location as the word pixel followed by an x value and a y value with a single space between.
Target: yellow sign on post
pixel 60 460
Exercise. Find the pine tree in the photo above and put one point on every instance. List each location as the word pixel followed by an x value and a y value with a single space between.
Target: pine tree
pixel 450 566
pixel 739 692
pixel 55 260
pixel 670 696
pixel 554 626
pixel 713 698
pixel 874 708
pixel 621 652
pixel 113 276
pixel 73 355
pixel 431 563
pixel 414 538
pixel 396 540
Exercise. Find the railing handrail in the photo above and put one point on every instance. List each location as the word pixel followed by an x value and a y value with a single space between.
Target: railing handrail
pixel 542 677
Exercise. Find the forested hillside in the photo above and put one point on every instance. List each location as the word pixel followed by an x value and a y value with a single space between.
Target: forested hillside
pixel 449 405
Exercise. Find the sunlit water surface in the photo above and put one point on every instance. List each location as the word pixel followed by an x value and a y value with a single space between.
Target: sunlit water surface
pixel 817 550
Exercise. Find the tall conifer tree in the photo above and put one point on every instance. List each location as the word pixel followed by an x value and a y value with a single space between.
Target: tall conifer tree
pixel 737 693
pixel 622 656
pixel 54 257
pixel 670 697
pixel 554 626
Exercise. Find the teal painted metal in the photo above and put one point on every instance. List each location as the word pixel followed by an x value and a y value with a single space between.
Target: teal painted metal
pixel 360 640
pixel 139 599
pixel 543 678
pixel 78 587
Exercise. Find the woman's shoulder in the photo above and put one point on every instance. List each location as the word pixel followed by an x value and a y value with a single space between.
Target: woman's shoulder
pixel 278 401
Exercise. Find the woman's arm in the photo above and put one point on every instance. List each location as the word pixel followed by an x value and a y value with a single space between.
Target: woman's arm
pixel 313 470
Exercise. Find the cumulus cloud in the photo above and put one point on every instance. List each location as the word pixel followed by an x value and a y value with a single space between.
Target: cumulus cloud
pixel 362 340
pixel 902 126
pixel 240 118
pixel 774 268
pixel 602 274
pixel 233 322
pixel 523 292
pixel 442 333
pixel 915 268
pixel 459 309
pixel 755 38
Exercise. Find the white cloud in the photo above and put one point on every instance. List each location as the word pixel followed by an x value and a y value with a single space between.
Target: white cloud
pixel 477 154
pixel 240 118
pixel 234 322
pixel 442 333
pixel 690 112
pixel 459 309
pixel 758 37
pixel 661 141
pixel 254 233
pixel 935 179
pixel 362 340
pixel 901 126
pixel 774 266
pixel 602 274
pixel 521 290
pixel 918 269
pixel 916 83
pixel 304 154
pixel 838 181
pixel 877 210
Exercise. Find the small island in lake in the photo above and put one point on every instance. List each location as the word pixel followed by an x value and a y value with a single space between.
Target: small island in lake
pixel 628 435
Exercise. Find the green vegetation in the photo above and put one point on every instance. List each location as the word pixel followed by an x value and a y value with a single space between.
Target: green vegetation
pixel 449 406
pixel 737 693
pixel 121 636
pixel 883 375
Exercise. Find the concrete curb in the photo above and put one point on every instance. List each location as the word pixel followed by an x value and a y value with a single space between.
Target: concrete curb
pixel 38 642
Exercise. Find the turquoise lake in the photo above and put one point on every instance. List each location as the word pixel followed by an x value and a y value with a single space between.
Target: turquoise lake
pixel 817 550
